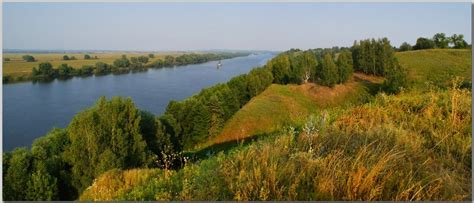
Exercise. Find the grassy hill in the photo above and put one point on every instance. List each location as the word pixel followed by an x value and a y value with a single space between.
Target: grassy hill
pixel 283 105
pixel 409 146
pixel 437 66
pixel 412 146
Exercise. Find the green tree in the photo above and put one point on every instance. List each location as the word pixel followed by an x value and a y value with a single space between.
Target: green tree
pixel 395 78
pixel 258 80
pixel 47 152
pixel 28 58
pixel 66 57
pixel 405 47
pixel 87 56
pixel 102 68
pixel 151 55
pixel 309 65
pixel 440 40
pixel 65 71
pixel 86 70
pixel 280 67
pixel 143 59
pixel 123 62
pixel 103 137
pixel 424 43
pixel 238 85
pixel 18 174
pixel 169 60
pixel 344 66
pixel 216 115
pixel 42 186
pixel 44 70
pixel 329 76
pixel 458 41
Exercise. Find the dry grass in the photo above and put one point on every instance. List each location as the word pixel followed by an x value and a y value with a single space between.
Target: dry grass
pixel 406 147
pixel 115 182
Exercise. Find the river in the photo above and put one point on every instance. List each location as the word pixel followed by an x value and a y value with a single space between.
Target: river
pixel 30 109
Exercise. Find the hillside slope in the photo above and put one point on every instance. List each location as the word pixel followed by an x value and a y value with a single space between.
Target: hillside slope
pixel 282 105
pixel 406 147
pixel 437 66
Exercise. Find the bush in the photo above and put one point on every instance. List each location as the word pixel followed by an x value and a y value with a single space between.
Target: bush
pixel 28 58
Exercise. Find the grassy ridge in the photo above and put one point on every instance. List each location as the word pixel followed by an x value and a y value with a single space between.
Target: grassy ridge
pixel 406 147
pixel 282 105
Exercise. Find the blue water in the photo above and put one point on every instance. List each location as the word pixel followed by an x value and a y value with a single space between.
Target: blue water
pixel 30 109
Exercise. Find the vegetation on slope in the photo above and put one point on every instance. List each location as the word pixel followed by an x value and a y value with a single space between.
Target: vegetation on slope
pixel 281 105
pixel 436 66
pixel 116 132
pixel 402 147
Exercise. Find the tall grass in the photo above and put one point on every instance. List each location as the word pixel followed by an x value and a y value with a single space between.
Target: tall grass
pixel 409 146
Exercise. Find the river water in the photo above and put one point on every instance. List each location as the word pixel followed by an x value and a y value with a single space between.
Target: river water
pixel 30 109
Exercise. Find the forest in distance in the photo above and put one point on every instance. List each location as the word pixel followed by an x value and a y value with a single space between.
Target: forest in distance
pixel 381 145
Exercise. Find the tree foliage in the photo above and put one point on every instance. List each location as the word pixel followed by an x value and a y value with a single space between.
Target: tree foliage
pixel 28 58
pixel 329 74
pixel 344 66
pixel 424 43
pixel 103 137
pixel 372 56
pixel 395 78
pixel 405 47
pixel 440 40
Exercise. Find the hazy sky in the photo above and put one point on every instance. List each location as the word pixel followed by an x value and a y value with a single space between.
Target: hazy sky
pixel 191 26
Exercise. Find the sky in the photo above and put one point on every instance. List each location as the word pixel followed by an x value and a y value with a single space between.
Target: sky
pixel 237 26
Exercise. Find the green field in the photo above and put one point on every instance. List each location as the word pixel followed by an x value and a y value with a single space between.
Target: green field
pixel 437 66
pixel 18 67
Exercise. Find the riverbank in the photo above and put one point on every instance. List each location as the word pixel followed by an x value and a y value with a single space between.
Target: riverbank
pixel 48 68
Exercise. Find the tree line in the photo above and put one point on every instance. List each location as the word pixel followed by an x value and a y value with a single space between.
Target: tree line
pixel 46 72
pixel 439 40
pixel 115 134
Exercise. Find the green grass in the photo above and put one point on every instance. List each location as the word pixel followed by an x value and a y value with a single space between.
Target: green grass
pixel 332 144
pixel 409 146
pixel 18 67
pixel 437 66
pixel 283 105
